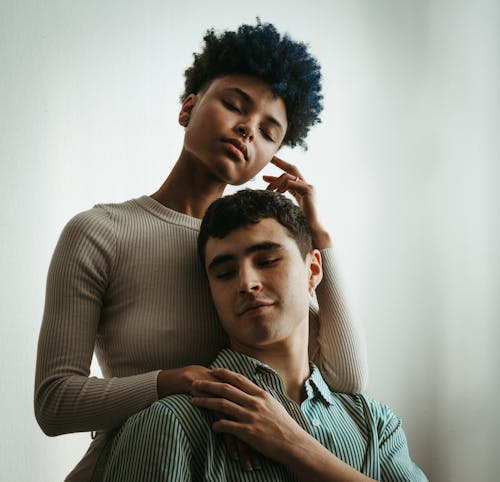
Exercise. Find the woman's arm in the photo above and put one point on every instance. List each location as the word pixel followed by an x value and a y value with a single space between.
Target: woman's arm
pixel 336 344
pixel 66 398
pixel 339 349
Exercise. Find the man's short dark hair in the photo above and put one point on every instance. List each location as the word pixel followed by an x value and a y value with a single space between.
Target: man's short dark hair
pixel 285 64
pixel 249 206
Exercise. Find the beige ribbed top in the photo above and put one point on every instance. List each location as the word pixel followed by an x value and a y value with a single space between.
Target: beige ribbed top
pixel 125 281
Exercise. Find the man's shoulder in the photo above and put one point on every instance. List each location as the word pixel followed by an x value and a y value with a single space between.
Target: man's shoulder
pixel 375 414
pixel 179 410
pixel 177 403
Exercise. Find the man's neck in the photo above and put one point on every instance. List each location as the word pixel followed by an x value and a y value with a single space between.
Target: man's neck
pixel 189 188
pixel 289 358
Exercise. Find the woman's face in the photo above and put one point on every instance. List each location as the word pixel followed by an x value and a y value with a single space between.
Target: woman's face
pixel 235 127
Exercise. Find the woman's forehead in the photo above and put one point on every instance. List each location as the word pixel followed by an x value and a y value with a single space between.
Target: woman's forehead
pixel 250 89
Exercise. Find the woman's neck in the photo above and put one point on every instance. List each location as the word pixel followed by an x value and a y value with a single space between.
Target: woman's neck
pixel 189 188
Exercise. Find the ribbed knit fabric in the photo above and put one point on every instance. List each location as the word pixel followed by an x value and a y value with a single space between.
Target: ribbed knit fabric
pixel 125 281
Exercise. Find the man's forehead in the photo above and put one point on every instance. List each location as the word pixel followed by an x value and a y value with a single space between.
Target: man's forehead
pixel 266 231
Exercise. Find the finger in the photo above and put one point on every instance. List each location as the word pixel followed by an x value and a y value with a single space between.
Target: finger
pixel 286 166
pixel 268 179
pixel 294 186
pixel 221 405
pixel 195 392
pixel 299 187
pixel 274 182
pixel 280 183
pixel 240 433
pixel 224 390
pixel 232 427
pixel 237 380
pixel 255 458
pixel 244 456
pixel 231 445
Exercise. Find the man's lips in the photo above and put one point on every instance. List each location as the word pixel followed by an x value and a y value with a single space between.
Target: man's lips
pixel 253 306
pixel 236 146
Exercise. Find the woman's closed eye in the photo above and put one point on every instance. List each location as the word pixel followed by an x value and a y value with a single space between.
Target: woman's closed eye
pixel 267 135
pixel 231 106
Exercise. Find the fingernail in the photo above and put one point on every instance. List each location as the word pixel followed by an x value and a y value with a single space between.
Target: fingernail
pixel 248 467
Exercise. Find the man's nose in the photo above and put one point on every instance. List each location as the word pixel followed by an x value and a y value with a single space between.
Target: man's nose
pixel 249 280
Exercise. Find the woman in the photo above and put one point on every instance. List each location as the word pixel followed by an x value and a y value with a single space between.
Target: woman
pixel 125 280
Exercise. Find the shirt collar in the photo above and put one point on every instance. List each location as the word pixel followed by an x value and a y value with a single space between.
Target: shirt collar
pixel 249 367
pixel 316 386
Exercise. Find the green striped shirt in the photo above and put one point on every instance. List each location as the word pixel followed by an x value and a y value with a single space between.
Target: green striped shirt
pixel 173 440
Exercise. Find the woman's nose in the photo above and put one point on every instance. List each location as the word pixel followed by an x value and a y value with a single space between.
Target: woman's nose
pixel 245 130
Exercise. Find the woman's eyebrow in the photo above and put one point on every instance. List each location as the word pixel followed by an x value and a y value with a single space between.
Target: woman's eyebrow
pixel 246 97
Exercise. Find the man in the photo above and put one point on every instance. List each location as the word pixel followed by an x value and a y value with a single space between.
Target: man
pixel 256 249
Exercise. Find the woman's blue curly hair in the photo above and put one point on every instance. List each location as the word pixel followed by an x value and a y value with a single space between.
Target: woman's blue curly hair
pixel 285 64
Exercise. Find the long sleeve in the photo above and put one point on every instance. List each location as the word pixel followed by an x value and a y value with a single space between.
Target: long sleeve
pixel 66 398
pixel 336 343
pixel 152 446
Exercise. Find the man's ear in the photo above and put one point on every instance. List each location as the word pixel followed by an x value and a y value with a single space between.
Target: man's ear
pixel 186 109
pixel 315 269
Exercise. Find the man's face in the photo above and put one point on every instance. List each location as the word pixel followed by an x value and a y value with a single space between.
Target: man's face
pixel 260 283
pixel 235 127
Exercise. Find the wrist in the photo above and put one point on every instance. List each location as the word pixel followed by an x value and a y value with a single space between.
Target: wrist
pixel 172 381
pixel 295 448
pixel 306 455
pixel 321 238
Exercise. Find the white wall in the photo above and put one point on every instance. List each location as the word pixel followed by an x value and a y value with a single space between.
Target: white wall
pixel 405 163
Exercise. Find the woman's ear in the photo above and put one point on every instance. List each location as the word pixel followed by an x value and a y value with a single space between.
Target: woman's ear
pixel 186 109
pixel 315 269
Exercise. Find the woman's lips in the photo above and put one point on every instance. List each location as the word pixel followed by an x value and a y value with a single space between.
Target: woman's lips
pixel 236 148
pixel 234 151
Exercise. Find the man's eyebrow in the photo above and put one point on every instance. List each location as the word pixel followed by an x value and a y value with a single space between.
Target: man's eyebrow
pixel 224 258
pixel 248 98
pixel 264 246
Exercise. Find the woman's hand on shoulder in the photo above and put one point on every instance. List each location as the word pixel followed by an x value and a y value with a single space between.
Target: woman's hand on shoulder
pixel 180 380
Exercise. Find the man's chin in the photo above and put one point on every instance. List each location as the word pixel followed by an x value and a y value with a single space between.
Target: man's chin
pixel 262 335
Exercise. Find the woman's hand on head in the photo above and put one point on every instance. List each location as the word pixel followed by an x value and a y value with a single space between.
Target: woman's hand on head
pixel 293 182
